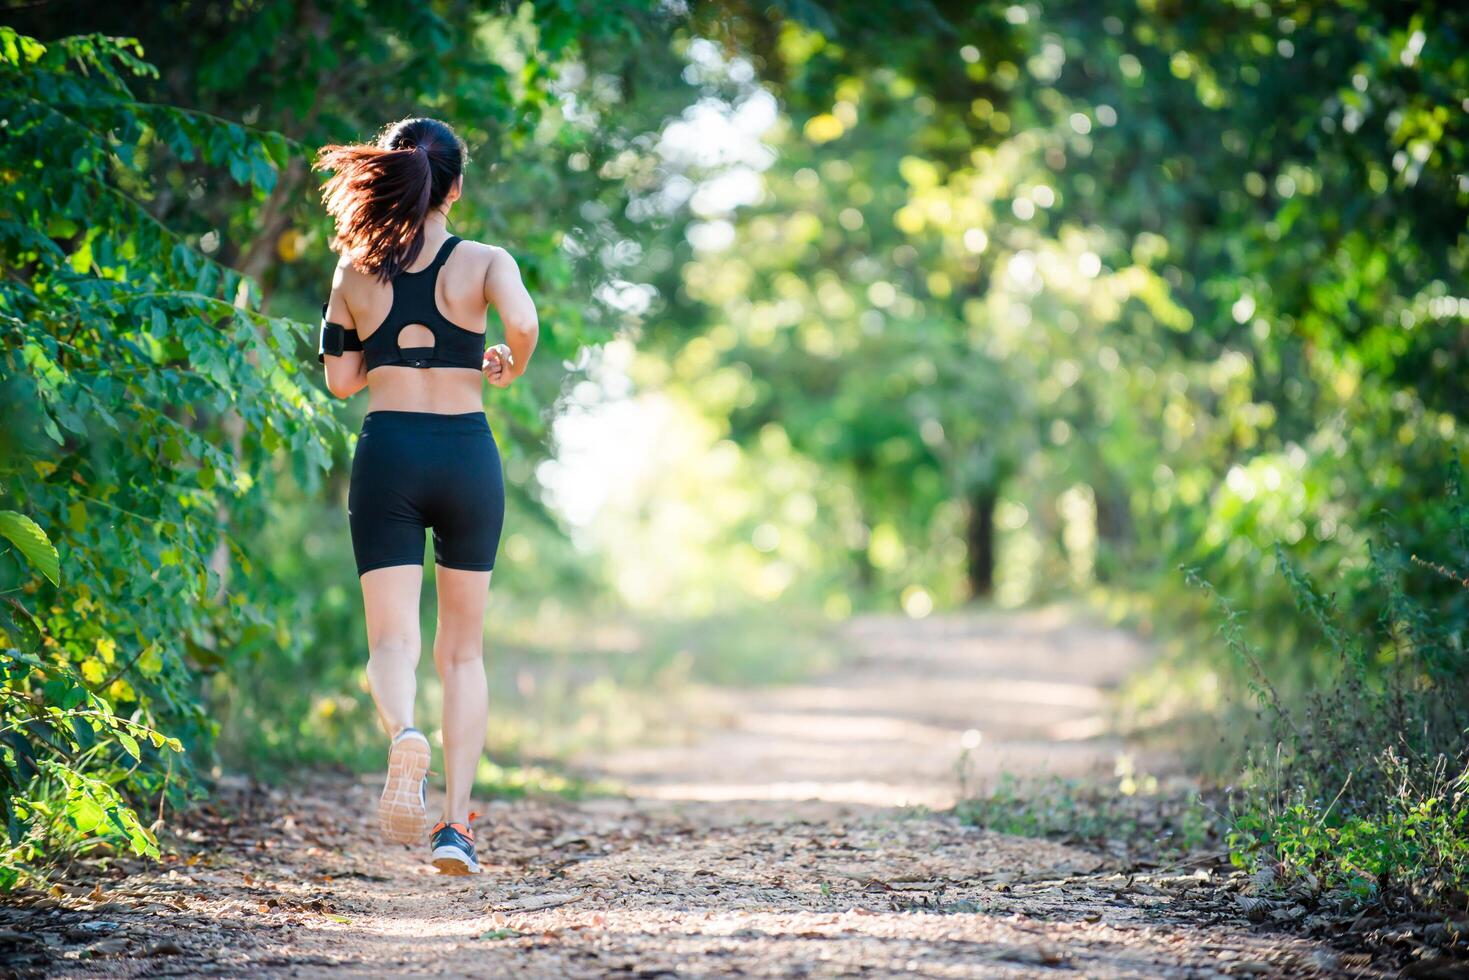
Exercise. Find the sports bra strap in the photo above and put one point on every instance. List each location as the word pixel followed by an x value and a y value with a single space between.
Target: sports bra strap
pixel 440 257
pixel 414 302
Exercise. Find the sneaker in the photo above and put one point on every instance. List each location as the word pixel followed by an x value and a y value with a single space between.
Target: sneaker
pixel 402 812
pixel 453 845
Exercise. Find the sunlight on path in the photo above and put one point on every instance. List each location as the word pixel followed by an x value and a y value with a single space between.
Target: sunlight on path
pixel 1003 692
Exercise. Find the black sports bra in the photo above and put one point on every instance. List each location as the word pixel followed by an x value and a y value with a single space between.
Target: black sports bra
pixel 413 304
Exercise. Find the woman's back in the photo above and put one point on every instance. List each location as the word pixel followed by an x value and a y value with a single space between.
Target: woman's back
pixel 423 331
pixel 441 303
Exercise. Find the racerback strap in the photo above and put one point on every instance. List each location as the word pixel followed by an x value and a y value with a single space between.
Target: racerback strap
pixel 414 302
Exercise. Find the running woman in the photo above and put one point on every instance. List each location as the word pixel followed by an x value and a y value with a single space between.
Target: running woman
pixel 406 320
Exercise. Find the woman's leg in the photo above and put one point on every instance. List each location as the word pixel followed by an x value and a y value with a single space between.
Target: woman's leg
pixel 390 597
pixel 459 656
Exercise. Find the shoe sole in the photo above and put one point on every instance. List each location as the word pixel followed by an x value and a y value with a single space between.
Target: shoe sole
pixel 401 813
pixel 455 866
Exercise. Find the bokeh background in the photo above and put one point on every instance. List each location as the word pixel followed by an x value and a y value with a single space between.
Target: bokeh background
pixel 1155 309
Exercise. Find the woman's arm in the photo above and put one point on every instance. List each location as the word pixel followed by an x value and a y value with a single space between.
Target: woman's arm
pixel 346 373
pixel 506 292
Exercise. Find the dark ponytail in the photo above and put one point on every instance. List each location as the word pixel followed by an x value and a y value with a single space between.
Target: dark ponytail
pixel 380 194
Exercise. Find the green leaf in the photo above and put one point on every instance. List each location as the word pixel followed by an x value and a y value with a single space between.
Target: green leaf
pixel 131 744
pixel 81 259
pixel 85 813
pixel 17 49
pixel 151 661
pixel 32 542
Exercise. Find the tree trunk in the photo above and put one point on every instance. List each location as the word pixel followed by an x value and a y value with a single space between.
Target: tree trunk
pixel 1114 533
pixel 980 541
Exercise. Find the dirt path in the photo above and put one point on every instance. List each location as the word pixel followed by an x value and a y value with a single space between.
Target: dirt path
pixel 768 846
pixel 1023 692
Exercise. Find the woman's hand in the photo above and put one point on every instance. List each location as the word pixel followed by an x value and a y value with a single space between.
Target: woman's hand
pixel 499 366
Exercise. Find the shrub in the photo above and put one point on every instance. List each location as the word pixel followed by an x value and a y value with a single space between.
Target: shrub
pixel 144 400
pixel 1367 788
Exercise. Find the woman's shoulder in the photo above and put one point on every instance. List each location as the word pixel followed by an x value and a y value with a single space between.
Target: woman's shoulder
pixel 480 251
pixel 477 260
pixel 347 276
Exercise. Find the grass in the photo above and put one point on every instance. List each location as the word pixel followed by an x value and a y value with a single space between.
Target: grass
pixel 494 781
pixel 1336 706
pixel 1353 790
pixel 1134 818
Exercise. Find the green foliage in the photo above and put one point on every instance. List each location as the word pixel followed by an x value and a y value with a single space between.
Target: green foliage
pixel 1196 270
pixel 1412 842
pixel 144 401
pixel 54 731
pixel 1368 789
pixel 908 420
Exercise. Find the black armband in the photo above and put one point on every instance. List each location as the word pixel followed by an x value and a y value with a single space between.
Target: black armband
pixel 335 338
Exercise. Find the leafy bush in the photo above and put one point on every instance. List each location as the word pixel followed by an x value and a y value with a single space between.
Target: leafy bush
pixel 144 402
pixel 69 723
pixel 1414 841
pixel 1367 790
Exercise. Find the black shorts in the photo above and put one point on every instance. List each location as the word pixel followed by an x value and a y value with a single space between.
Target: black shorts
pixel 418 470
